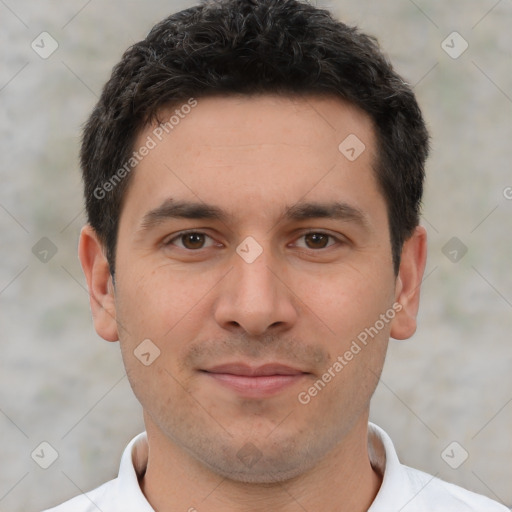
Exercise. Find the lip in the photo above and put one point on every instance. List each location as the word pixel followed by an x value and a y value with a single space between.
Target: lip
pixel 255 381
pixel 244 369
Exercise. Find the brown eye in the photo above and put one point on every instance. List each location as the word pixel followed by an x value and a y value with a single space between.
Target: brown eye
pixel 193 240
pixel 316 240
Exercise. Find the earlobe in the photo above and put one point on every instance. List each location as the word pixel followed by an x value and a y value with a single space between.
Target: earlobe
pixel 99 282
pixel 408 284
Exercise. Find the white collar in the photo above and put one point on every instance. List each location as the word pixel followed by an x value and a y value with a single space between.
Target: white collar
pixel 403 489
pixel 380 448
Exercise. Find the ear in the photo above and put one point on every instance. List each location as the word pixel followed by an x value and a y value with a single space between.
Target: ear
pixel 408 284
pixel 100 284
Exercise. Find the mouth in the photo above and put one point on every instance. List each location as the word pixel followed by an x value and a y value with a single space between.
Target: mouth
pixel 255 381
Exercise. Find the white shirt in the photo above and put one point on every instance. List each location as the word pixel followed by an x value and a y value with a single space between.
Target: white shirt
pixel 403 489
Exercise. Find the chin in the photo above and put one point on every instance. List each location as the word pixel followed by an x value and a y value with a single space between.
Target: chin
pixel 265 473
pixel 252 466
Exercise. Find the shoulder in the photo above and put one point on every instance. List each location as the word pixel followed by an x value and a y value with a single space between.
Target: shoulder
pixel 90 501
pixel 433 493
pixel 411 490
pixel 122 494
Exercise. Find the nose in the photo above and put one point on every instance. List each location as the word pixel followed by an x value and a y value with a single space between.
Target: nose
pixel 255 297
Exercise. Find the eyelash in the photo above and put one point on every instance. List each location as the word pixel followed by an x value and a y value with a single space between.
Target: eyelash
pixel 184 233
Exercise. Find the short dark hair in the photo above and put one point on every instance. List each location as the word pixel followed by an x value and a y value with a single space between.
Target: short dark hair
pixel 253 47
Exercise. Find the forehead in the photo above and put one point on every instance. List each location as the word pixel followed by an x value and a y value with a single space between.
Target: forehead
pixel 255 150
pixel 315 122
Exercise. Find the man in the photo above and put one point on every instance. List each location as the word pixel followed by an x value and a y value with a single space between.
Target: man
pixel 253 175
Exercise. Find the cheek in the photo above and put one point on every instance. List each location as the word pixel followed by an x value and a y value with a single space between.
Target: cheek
pixel 156 303
pixel 347 301
pixel 169 309
pixel 159 388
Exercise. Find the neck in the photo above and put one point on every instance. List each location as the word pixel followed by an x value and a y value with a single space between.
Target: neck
pixel 343 481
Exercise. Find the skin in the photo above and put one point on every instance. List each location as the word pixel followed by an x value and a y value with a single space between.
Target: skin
pixel 301 302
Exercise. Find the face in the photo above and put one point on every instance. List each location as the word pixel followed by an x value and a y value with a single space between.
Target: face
pixel 254 254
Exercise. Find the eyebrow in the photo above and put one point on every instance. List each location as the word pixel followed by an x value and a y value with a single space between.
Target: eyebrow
pixel 174 209
pixel 333 210
pixel 179 209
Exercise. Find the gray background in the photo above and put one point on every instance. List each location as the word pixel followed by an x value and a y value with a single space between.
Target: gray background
pixel 62 384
